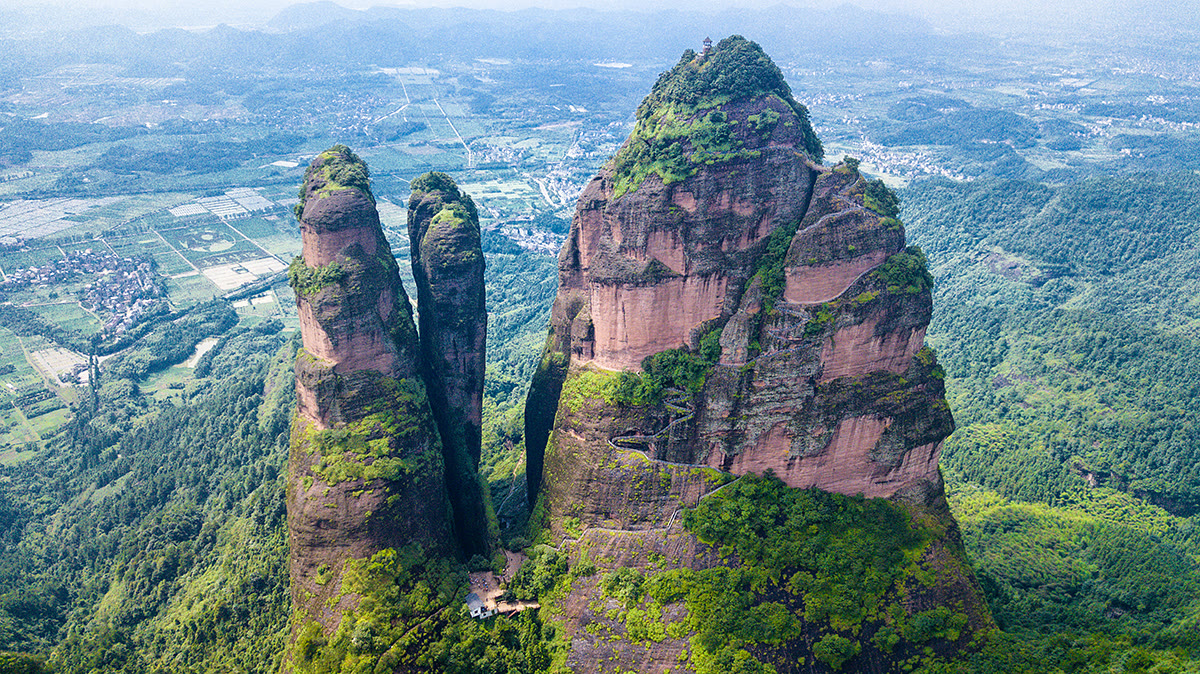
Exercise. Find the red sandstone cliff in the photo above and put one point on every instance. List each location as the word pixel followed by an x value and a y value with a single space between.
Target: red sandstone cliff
pixel 716 225
pixel 365 471
pixel 658 267
pixel 447 262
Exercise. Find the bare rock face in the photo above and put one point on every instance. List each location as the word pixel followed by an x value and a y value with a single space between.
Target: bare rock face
pixel 728 305
pixel 649 267
pixel 447 261
pixel 365 471
pixel 749 236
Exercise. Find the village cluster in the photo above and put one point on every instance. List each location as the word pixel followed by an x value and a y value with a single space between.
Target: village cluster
pixel 124 289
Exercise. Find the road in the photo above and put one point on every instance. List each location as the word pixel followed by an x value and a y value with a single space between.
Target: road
pixel 470 158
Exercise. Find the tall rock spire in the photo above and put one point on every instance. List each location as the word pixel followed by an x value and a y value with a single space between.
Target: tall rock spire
pixel 729 306
pixel 668 234
pixel 365 471
pixel 714 235
pixel 447 262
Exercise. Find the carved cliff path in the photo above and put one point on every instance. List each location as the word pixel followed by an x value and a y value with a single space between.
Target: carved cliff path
pixel 851 205
pixel 670 521
pixel 515 487
pixel 674 404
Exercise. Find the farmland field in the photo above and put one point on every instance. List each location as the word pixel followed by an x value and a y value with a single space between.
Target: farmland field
pixel 15 436
pixel 188 290
pixel 170 263
pixel 31 257
pixel 137 244
pixel 70 316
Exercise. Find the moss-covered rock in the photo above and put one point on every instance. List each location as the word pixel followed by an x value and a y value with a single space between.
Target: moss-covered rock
pixel 688 120
pixel 334 170
pixel 447 263
pixel 366 472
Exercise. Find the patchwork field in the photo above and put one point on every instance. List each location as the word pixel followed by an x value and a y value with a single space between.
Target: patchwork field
pixel 56 362
pixel 235 275
pixel 70 316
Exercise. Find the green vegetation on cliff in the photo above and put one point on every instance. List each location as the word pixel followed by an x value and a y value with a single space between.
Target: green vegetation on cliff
pixel 452 232
pixel 451 237
pixel 677 128
pixel 736 68
pixel 658 146
pixel 452 196
pixel 769 268
pixel 362 450
pixel 450 220
pixel 340 169
pixel 679 369
pixel 842 586
pixel 877 197
pixel 306 280
pixel 906 272
pixel 412 617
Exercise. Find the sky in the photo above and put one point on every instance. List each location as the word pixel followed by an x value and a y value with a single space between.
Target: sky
pixel 949 15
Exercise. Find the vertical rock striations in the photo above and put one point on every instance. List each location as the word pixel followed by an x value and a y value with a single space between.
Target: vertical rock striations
pixel 447 262
pixel 728 305
pixel 366 468
pixel 714 228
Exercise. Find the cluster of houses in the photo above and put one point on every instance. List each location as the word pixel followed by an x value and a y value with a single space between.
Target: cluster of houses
pixel 522 232
pixel 598 142
pixel 124 291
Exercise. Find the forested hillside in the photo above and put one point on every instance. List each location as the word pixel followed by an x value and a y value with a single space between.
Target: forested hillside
pixel 1065 313
pixel 150 535
pixel 1065 318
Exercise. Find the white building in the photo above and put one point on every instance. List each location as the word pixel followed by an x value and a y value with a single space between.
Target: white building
pixel 478 608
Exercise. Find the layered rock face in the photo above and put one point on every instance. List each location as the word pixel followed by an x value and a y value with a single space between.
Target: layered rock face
pixel 365 471
pixel 447 260
pixel 727 302
pixel 782 257
pixel 839 395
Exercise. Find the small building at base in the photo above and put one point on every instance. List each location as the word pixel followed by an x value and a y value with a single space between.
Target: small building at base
pixel 478 608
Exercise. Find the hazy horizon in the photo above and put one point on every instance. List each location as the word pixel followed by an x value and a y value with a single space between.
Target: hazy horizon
pixel 998 17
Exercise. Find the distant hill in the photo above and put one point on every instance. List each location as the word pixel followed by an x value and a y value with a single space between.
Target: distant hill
pixel 390 36
pixel 310 15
